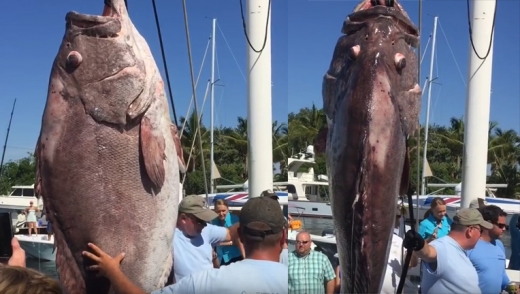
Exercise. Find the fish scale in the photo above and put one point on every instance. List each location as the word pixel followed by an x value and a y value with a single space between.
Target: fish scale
pixel 108 156
pixel 372 102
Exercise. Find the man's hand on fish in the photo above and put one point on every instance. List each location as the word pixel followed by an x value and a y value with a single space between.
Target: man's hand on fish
pixel 106 265
pixel 413 241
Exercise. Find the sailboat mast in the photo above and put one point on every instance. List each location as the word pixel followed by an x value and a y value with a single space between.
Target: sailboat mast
pixel 259 94
pixel 427 124
pixel 212 107
pixel 478 100
pixel 7 137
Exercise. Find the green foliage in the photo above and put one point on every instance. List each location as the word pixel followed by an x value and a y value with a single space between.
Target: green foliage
pixel 444 151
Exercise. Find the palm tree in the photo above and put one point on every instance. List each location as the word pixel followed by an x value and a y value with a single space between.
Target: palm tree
pixel 238 140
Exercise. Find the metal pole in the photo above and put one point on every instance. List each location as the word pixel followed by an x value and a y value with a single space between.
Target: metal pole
pixel 260 151
pixel 426 127
pixel 478 100
pixel 7 137
pixel 212 104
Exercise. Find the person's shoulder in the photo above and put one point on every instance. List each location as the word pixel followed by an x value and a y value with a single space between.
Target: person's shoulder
pixel 426 222
pixel 234 218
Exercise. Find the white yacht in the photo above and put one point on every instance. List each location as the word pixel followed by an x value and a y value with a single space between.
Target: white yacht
pixel 37 246
pixel 19 199
pixel 308 192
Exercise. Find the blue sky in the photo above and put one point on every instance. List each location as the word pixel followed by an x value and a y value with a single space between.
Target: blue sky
pixel 35 36
pixel 304 34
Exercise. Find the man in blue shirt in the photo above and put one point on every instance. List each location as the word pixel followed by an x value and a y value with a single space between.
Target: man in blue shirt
pixel 445 265
pixel 489 255
pixel 262 233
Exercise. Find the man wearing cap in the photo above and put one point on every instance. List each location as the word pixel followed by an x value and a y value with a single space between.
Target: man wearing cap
pixel 195 237
pixel 262 233
pixel 445 265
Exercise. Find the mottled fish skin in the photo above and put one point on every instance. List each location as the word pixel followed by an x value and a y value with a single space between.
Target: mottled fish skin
pixel 372 102
pixel 108 156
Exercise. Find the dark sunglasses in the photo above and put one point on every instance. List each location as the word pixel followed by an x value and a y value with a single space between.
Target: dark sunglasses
pixel 501 226
pixel 197 220
pixel 302 242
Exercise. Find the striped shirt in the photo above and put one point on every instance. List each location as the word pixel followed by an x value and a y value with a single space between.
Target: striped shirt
pixel 308 274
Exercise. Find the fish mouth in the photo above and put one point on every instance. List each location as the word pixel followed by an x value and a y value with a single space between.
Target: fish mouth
pixel 106 25
pixel 371 9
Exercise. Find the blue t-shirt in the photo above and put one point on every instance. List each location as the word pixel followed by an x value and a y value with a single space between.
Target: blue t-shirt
pixel 191 255
pixel 454 272
pixel 245 276
pixel 428 225
pixel 514 261
pixel 230 251
pixel 490 261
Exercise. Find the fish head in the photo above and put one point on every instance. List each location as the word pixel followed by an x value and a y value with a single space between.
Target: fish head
pixel 100 59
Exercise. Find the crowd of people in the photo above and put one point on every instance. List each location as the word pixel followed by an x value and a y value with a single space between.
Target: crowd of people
pixel 215 248
pixel 463 254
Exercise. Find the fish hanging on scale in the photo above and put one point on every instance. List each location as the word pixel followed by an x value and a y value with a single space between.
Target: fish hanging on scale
pixel 108 156
pixel 372 102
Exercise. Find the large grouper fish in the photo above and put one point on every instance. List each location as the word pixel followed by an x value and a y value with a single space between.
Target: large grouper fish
pixel 108 156
pixel 372 101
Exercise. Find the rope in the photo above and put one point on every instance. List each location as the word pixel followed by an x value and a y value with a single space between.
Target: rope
pixel 266 26
pixel 164 61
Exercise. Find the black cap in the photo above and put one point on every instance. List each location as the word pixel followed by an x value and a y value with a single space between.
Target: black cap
pixel 261 217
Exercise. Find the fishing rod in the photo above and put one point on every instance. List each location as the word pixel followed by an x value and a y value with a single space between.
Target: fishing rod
pixel 7 137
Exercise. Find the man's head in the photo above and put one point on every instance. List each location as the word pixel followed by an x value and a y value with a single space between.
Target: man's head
pixel 467 227
pixel 496 216
pixel 194 215
pixel 262 226
pixel 303 243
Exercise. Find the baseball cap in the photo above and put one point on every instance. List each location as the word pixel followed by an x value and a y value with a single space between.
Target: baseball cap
pixel 471 217
pixel 270 194
pixel 261 217
pixel 196 205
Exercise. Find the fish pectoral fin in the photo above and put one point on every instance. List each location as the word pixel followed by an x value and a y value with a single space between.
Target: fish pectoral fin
pixel 409 103
pixel 152 148
pixel 405 177
pixel 178 148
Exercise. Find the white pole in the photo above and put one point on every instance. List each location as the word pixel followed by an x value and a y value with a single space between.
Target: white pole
pixel 260 151
pixel 426 127
pixel 211 143
pixel 476 124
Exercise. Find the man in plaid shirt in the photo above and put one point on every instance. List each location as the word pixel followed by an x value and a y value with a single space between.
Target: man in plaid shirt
pixel 310 271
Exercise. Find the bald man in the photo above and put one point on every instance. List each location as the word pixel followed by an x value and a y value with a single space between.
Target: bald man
pixel 309 271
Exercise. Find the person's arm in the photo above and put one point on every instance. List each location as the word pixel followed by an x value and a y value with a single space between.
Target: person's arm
pixel 328 275
pixel 428 253
pixel 337 283
pixel 222 234
pixel 186 285
pixel 232 235
pixel 505 280
pixel 414 261
pixel 123 285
